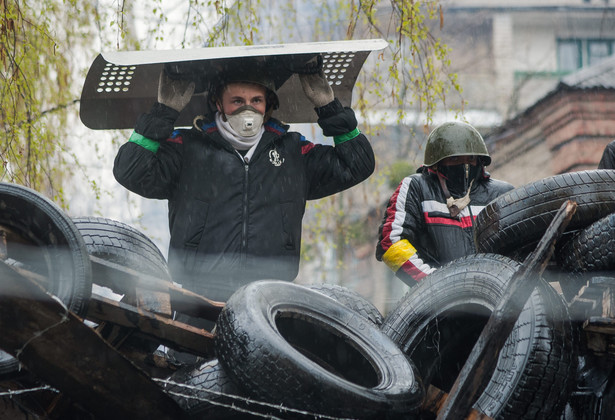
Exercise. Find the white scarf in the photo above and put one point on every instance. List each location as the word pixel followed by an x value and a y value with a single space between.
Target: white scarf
pixel 237 141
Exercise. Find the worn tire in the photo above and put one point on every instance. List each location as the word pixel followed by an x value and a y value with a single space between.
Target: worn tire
pixel 591 249
pixel 287 344
pixel 438 322
pixel 514 222
pixel 205 391
pixel 124 245
pixel 43 239
pixel 594 396
pixel 350 299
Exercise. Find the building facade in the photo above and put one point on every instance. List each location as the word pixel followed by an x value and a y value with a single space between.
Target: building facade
pixel 564 131
pixel 508 55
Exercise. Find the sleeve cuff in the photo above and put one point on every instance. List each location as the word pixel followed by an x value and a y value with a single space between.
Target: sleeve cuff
pixel 144 142
pixel 332 108
pixel 164 112
pixel 345 137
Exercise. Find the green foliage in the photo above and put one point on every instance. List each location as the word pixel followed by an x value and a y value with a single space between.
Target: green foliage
pixel 29 53
pixel 40 78
pixel 398 170
pixel 46 47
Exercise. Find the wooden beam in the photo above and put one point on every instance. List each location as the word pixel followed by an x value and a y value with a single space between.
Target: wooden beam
pixel 55 345
pixel 175 334
pixel 434 401
pixel 482 361
pixel 124 280
pixel 601 325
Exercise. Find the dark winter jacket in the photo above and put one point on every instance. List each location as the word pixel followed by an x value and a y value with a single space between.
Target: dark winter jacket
pixel 607 161
pixel 233 221
pixel 418 234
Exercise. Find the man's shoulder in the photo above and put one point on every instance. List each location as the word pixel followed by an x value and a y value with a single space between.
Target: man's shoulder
pixel 185 134
pixel 498 185
pixel 276 126
pixel 419 180
pixel 424 175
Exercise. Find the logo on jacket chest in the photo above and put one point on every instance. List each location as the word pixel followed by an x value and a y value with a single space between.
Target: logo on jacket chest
pixel 275 158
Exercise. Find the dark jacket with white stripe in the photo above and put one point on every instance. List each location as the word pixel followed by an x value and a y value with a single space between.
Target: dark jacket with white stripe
pixel 418 234
pixel 233 221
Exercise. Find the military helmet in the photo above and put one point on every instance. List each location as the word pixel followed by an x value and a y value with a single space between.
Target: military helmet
pixel 455 139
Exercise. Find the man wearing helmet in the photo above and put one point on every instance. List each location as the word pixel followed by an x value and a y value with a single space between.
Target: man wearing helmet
pixel 429 218
pixel 237 181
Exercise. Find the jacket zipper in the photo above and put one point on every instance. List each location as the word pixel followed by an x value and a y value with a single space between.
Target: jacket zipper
pixel 244 229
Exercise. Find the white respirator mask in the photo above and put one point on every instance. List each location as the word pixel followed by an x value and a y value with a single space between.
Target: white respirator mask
pixel 246 121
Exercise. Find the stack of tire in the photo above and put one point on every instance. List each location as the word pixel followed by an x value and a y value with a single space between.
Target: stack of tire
pixel 41 238
pixel 290 351
pixel 278 344
pixel 538 372
pixel 323 351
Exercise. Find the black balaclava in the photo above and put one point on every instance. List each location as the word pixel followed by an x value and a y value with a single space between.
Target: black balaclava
pixel 459 177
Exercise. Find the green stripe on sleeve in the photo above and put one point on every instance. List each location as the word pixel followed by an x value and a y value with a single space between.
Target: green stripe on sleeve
pixel 144 142
pixel 345 137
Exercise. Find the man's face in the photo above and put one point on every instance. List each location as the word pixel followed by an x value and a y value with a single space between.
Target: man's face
pixel 458 160
pixel 236 95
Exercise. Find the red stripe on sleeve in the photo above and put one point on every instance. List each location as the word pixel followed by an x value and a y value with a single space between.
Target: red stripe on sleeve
pixel 412 271
pixel 307 147
pixel 385 242
pixel 178 140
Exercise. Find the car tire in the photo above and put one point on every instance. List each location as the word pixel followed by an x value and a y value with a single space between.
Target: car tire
pixel 205 391
pixel 591 249
pixel 350 299
pixel 514 222
pixel 43 239
pixel 289 345
pixel 438 322
pixel 124 245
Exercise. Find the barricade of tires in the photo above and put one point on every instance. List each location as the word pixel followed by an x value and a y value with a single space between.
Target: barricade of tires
pixel 438 322
pixel 297 350
pixel 511 226
pixel 291 351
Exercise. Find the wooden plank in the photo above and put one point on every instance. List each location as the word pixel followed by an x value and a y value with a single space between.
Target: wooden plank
pixel 608 303
pixel 154 301
pixel 175 334
pixel 434 401
pixel 59 348
pixel 600 325
pixel 124 280
pixel 481 363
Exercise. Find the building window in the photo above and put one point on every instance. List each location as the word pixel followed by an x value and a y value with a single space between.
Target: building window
pixel 572 54
pixel 569 56
pixel 598 51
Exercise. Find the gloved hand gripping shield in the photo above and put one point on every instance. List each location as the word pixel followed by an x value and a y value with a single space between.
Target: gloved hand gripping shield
pixel 174 92
pixel 314 83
